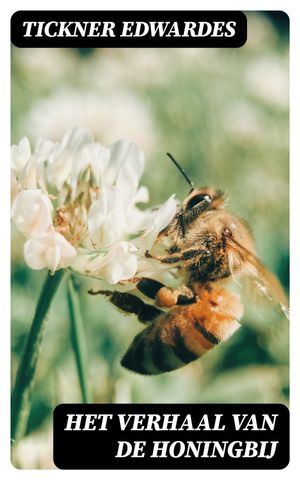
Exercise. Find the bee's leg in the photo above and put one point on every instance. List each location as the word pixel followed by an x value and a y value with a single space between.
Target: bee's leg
pixel 149 287
pixel 185 255
pixel 188 216
pixel 165 296
pixel 131 304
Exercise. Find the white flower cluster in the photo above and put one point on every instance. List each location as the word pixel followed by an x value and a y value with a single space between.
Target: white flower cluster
pixel 76 203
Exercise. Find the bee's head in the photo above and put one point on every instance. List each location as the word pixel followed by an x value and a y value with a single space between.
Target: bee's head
pixel 213 199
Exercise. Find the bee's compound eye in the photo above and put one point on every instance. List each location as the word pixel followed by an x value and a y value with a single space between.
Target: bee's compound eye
pixel 198 198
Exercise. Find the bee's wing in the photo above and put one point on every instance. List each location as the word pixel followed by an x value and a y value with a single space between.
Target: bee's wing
pixel 262 283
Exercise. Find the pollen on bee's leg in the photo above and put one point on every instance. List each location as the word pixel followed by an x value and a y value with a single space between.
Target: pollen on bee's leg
pixel 166 297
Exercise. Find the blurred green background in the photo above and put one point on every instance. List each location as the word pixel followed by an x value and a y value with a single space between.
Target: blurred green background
pixel 224 116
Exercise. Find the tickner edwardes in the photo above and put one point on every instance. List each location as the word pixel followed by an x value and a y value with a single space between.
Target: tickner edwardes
pixel 129 29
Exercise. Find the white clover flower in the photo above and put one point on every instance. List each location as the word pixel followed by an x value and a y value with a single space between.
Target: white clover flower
pixel 63 156
pixel 20 154
pixel 119 264
pixel 28 179
pixel 155 221
pixel 107 218
pixel 76 203
pixel 14 189
pixel 32 213
pixel 93 155
pixel 28 167
pixel 50 250
pixel 126 164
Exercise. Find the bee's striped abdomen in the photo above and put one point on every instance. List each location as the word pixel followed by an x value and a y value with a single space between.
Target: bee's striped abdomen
pixel 181 349
pixel 149 354
pixel 166 345
pixel 184 334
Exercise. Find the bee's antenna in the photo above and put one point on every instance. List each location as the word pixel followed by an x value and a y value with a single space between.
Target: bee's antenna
pixel 181 171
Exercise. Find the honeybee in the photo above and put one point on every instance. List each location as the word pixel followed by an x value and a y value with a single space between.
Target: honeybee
pixel 207 246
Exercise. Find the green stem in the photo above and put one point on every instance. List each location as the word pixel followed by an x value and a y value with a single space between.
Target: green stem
pixel 21 397
pixel 78 340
